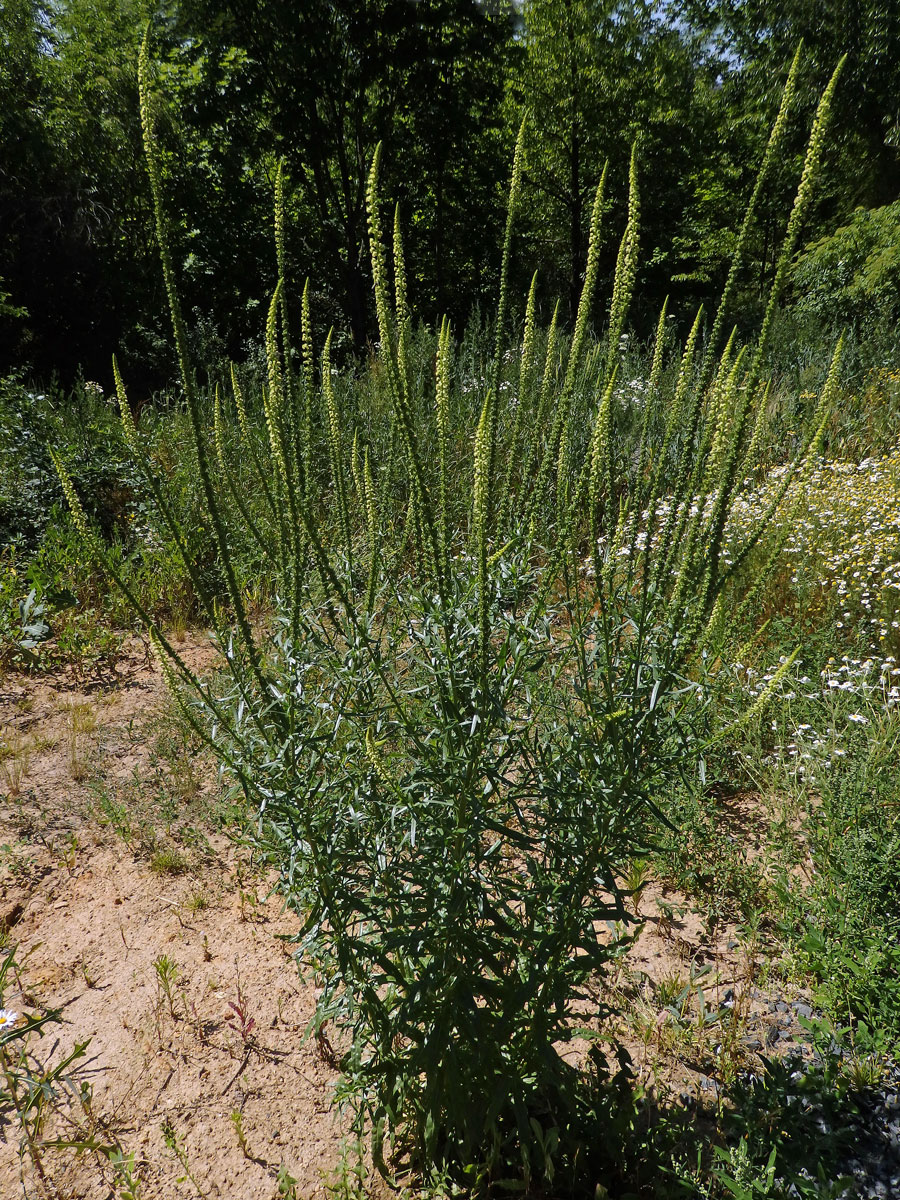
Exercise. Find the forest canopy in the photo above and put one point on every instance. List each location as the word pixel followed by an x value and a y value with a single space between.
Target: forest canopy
pixel 241 86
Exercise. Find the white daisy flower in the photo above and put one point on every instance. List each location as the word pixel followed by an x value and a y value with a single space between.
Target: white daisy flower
pixel 8 1019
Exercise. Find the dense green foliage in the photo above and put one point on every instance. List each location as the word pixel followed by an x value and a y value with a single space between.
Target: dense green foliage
pixel 455 722
pixel 442 85
pixel 507 609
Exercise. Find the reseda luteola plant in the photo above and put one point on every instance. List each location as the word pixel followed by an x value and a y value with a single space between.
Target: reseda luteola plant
pixel 475 674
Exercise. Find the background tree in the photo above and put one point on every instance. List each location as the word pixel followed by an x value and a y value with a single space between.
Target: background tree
pixel 598 75
pixel 327 81
pixel 243 84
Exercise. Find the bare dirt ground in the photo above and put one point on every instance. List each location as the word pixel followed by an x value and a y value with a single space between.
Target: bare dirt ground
pixel 98 924
pixel 136 915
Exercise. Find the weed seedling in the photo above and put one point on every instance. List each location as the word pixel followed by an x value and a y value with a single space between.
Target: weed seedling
pixel 237 1121
pixel 126 1181
pixel 285 1184
pixel 167 976
pixel 114 813
pixel 82 722
pixel 175 1144
pixel 197 902
pixel 30 1089
pixel 14 764
pixel 238 1018
pixel 168 861
pixel 69 854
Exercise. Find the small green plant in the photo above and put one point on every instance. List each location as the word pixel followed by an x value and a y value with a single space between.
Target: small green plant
pixel 23 624
pixel 670 988
pixel 237 1122
pixel 82 721
pixel 286 1184
pixel 30 1089
pixel 125 1177
pixel 169 861
pixel 69 857
pixel 15 757
pixel 174 1142
pixel 168 974
pixel 238 1019
pixel 113 812
pixel 197 901
pixel 740 1176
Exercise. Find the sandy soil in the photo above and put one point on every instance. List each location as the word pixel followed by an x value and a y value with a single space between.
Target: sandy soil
pixel 156 937
pixel 92 918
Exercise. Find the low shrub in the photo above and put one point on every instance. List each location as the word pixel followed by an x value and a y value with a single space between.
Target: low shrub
pixel 477 674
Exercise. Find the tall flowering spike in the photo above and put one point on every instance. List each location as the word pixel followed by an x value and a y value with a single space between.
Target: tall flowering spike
pixel 309 354
pixel 420 501
pixel 758 708
pixel 626 267
pixel 78 514
pixel 515 187
pixel 644 493
pixel 273 364
pixel 772 148
pixel 685 372
pixel 545 457
pixel 802 464
pixel 401 304
pixel 355 470
pixel 335 442
pixel 562 477
pixel 272 396
pixel 442 415
pixel 715 395
pixel 668 542
pixel 480 503
pixel 829 391
pixel 126 419
pixel 526 362
pixel 239 404
pixel 599 478
pixel 372 523
pixel 382 774
pixel 549 359
pixel 400 297
pixel 763 392
pixel 309 384
pixel 218 430
pixel 562 408
pixel 731 475
pixel 526 371
pixel 535 429
pixel 725 410
pixel 801 206
pixel 658 347
pixel 371 498
pixel 590 282
pixel 651 404
pixel 379 261
pixel 280 218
